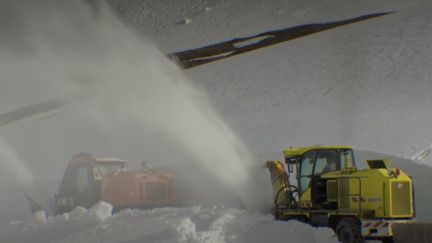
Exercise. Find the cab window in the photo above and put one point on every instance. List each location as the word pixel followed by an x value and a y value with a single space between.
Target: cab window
pixel 82 179
pixel 327 160
pixel 102 170
pixel 306 168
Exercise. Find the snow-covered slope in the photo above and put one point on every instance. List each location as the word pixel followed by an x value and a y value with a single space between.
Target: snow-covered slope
pixel 214 21
pixel 365 84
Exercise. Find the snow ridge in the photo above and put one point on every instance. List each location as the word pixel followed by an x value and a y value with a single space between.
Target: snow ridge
pixel 192 225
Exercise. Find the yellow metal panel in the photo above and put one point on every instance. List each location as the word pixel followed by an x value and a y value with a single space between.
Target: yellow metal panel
pixel 332 190
pixel 279 179
pixel 344 190
pixel 400 198
pixel 306 195
pixel 296 151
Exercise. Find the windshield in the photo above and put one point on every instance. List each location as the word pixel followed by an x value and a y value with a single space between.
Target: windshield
pixel 102 170
pixel 306 168
pixel 326 161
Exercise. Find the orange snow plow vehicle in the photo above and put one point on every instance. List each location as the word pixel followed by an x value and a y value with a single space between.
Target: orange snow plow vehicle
pixel 88 180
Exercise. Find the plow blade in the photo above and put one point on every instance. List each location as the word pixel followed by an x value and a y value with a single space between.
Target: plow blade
pixel 412 233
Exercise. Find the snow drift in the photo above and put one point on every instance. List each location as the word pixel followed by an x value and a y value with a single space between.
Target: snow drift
pixel 192 225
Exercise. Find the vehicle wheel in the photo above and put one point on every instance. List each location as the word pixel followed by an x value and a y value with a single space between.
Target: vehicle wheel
pixel 348 231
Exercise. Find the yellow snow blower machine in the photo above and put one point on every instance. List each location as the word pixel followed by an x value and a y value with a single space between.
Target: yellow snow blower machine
pixel 329 190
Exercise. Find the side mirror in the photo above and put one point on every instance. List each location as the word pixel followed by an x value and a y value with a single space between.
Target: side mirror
pixel 96 174
pixel 290 162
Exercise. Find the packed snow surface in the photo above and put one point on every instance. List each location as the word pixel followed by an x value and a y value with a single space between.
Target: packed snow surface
pixel 192 225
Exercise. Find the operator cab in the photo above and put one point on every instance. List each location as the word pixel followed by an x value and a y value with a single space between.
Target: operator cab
pixel 82 179
pixel 314 162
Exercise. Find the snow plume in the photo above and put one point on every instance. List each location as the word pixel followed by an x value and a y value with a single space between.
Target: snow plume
pixel 11 163
pixel 121 83
pixel 15 179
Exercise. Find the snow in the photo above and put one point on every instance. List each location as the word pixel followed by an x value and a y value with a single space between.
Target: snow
pixel 251 41
pixel 213 56
pixel 193 225
pixel 423 155
pixel 110 160
pixel 154 19
pixel 42 229
pixel 366 84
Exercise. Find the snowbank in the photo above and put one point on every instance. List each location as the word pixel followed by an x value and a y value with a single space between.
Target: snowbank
pixel 40 228
pixel 193 224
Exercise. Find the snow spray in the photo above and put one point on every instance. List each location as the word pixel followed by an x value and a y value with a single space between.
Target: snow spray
pixel 16 180
pixel 90 53
pixel 11 163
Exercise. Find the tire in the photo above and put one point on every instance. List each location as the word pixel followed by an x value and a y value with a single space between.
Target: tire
pixel 348 231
